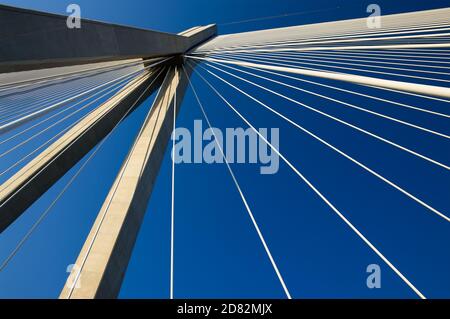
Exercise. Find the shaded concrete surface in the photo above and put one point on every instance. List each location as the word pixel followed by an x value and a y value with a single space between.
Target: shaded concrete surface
pixel 31 40
pixel 19 78
pixel 34 40
pixel 35 178
pixel 101 265
pixel 28 184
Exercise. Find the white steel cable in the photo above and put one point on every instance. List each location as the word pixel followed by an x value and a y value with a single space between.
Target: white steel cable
pixel 244 200
pixel 351 125
pixel 105 211
pixel 416 199
pixel 364 80
pixel 124 82
pixel 68 184
pixel 320 57
pixel 324 199
pixel 172 212
pixel 323 65
pixel 335 42
pixel 12 124
pixel 6 184
pixel 339 89
pixel 15 111
pixel 53 93
pixel 420 29
pixel 16 146
pixel 421 128
pixel 64 76
pixel 363 57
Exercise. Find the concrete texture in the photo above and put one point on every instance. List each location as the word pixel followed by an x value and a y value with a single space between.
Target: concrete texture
pixel 18 78
pixel 32 40
pixel 35 178
pixel 104 257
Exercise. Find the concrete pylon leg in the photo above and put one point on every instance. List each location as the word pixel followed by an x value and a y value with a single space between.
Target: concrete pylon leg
pixel 34 179
pixel 101 265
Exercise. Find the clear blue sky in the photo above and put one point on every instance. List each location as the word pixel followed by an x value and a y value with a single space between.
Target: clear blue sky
pixel 217 251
